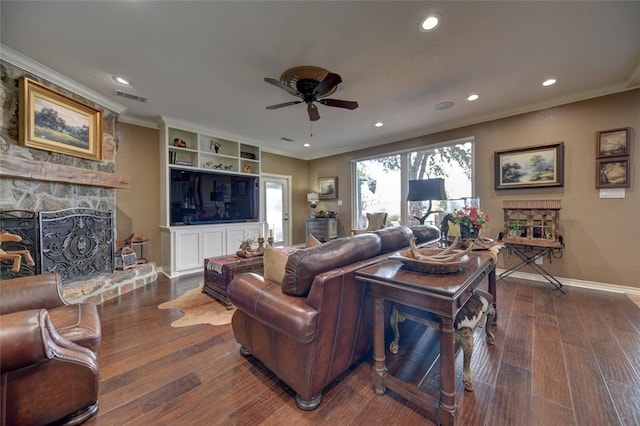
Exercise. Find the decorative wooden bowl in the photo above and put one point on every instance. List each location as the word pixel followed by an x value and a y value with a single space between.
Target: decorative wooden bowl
pixel 427 266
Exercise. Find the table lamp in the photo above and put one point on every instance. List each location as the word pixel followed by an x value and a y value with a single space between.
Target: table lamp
pixel 426 190
pixel 313 198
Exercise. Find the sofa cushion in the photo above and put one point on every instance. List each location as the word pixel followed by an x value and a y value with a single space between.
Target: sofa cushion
pixel 312 241
pixel 425 233
pixel 305 264
pixel 274 262
pixel 394 237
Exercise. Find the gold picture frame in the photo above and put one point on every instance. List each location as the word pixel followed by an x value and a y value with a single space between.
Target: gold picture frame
pixel 53 122
pixel 328 188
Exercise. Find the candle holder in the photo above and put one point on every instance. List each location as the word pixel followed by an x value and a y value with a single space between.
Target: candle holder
pixel 260 248
pixel 270 241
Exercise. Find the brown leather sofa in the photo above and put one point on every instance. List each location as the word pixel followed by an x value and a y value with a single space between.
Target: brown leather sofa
pixel 312 327
pixel 48 352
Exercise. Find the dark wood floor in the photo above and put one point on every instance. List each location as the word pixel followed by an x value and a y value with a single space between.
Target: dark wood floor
pixel 569 359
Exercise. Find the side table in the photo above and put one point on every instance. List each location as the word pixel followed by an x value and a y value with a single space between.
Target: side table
pixel 324 229
pixel 220 271
pixel 441 295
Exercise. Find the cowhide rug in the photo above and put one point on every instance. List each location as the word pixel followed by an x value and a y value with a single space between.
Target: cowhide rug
pixel 198 308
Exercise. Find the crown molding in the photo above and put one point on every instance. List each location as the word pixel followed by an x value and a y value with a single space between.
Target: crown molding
pixel 29 65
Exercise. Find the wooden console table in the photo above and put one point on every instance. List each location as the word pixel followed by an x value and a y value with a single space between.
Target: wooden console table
pixel 442 295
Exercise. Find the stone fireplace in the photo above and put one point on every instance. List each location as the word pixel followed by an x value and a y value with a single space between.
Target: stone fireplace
pixel 36 181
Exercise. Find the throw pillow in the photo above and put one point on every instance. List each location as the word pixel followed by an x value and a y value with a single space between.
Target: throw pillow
pixel 312 241
pixel 376 221
pixel 274 262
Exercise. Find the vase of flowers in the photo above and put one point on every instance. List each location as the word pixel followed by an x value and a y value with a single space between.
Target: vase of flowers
pixel 471 221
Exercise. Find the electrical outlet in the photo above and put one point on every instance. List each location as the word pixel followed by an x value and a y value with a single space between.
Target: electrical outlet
pixel 539 261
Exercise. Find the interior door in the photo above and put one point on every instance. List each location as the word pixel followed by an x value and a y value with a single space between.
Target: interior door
pixel 276 207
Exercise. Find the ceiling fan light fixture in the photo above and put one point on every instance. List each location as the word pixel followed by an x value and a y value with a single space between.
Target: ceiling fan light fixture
pixel 429 23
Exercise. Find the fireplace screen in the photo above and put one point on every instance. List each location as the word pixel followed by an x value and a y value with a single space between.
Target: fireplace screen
pixel 76 243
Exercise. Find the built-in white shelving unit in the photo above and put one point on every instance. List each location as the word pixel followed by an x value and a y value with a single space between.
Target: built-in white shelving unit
pixel 187 242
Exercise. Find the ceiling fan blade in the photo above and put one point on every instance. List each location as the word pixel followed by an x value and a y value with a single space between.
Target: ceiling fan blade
pixel 283 104
pixel 339 103
pixel 314 115
pixel 281 85
pixel 328 83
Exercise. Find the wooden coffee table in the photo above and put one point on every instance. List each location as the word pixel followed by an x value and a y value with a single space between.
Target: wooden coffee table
pixel 442 295
pixel 220 271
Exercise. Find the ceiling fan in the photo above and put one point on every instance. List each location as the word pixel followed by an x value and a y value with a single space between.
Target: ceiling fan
pixel 310 84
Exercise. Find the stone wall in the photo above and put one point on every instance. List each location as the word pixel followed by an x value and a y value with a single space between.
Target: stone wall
pixel 32 195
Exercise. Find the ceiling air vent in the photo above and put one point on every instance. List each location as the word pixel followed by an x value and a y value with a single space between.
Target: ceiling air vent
pixel 130 96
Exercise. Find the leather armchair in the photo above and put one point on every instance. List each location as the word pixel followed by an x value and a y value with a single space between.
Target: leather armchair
pixel 78 322
pixel 48 352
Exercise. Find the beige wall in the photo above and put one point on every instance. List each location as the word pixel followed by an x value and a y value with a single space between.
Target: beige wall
pixel 602 236
pixel 138 207
pixel 299 172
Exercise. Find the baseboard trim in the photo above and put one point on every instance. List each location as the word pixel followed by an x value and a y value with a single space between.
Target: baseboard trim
pixel 570 282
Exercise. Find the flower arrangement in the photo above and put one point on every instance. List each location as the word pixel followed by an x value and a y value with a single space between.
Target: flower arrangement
pixel 471 221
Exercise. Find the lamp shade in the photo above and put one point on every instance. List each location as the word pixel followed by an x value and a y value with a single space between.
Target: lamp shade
pixel 313 196
pixel 426 189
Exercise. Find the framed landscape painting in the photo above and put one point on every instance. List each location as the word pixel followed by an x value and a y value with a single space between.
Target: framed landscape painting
pixel 328 188
pixel 530 167
pixel 612 173
pixel 53 122
pixel 613 143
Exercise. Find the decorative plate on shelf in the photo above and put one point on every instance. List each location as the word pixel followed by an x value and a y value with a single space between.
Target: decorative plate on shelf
pixel 430 266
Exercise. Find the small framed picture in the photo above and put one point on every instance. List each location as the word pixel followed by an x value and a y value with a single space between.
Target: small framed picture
pixel 328 188
pixel 612 173
pixel 613 143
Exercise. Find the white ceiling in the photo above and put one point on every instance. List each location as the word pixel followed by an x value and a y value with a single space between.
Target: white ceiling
pixel 205 62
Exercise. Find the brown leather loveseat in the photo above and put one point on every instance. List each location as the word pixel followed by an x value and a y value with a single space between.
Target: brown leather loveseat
pixel 313 326
pixel 48 356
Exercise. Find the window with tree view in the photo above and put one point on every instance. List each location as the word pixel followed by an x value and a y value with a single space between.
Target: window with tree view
pixel 381 183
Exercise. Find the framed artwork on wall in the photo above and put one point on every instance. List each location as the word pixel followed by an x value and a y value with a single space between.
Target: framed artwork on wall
pixel 328 188
pixel 530 167
pixel 612 173
pixel 613 143
pixel 53 122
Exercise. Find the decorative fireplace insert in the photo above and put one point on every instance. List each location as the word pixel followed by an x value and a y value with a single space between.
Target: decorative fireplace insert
pixel 77 243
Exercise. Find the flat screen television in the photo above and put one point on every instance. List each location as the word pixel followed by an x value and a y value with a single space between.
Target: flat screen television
pixel 199 198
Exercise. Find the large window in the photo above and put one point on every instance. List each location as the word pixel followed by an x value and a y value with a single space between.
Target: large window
pixel 381 182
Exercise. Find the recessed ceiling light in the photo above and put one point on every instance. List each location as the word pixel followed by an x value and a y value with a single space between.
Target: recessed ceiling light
pixel 379 124
pixel 444 105
pixel 549 82
pixel 121 80
pixel 472 97
pixel 429 23
pixel 307 145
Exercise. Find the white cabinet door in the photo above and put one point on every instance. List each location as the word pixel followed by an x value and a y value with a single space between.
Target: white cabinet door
pixel 234 237
pixel 213 242
pixel 188 253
